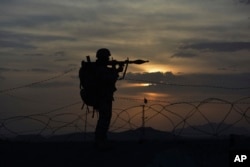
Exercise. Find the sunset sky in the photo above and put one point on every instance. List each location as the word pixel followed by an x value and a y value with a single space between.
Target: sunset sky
pixel 181 36
pixel 191 42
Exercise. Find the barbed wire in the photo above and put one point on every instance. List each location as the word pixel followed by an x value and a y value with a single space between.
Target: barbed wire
pixel 128 79
pixel 130 118
pixel 51 122
pixel 37 82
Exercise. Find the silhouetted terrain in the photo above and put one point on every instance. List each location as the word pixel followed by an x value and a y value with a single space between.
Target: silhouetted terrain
pixel 148 133
pixel 169 151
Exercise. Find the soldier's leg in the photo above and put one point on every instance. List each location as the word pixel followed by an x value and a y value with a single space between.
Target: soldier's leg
pixel 105 114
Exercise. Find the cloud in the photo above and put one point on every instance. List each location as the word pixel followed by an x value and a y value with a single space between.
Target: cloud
pixel 1 77
pixel 218 46
pixel 11 39
pixel 15 44
pixel 142 29
pixel 247 2
pixel 2 69
pixel 36 70
pixel 34 54
pixel 33 21
pixel 40 70
pixel 229 80
pixel 183 55
pixel 192 85
pixel 59 54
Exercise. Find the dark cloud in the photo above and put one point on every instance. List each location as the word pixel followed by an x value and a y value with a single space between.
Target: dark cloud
pixel 25 40
pixel 61 60
pixel 13 36
pixel 15 44
pixel 32 21
pixel 183 55
pixel 218 46
pixel 59 54
pixel 222 69
pixel 3 69
pixel 40 70
pixel 233 80
pixel 34 54
pixel 1 77
pixel 141 29
pixel 247 2
pixel 191 84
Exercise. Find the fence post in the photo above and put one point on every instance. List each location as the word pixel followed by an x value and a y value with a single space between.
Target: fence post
pixel 142 138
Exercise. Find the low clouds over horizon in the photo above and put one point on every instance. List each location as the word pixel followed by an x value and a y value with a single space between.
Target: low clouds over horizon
pixel 219 46
pixel 43 38
pixel 153 30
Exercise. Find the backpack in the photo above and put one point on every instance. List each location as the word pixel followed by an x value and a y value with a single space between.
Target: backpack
pixel 88 83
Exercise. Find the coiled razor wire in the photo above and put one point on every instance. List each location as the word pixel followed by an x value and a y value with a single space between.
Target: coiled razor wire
pixel 54 122
pixel 59 121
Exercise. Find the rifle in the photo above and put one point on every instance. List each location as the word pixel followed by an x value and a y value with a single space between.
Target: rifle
pixel 126 62
pixel 114 63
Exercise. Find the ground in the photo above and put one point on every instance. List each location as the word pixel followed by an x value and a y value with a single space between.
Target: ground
pixel 148 153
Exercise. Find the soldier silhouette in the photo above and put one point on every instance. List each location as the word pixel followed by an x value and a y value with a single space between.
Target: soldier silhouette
pixel 97 87
pixel 106 78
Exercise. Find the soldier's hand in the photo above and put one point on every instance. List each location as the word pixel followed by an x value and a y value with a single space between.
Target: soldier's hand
pixel 120 68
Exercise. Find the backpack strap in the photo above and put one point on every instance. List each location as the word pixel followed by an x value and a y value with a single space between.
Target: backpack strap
pixel 93 112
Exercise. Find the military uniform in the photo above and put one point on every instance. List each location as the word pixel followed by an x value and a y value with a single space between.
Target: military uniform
pixel 106 79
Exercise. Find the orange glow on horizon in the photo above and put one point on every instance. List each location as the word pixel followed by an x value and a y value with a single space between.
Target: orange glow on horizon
pixel 152 68
pixel 155 68
pixel 155 96
pixel 136 85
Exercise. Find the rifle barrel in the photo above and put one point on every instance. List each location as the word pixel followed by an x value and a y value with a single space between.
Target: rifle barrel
pixel 138 61
pixel 114 62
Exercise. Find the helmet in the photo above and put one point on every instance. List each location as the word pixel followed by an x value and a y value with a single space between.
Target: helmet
pixel 103 52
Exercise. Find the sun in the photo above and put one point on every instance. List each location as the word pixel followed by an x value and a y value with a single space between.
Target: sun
pixel 155 68
pixel 152 70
